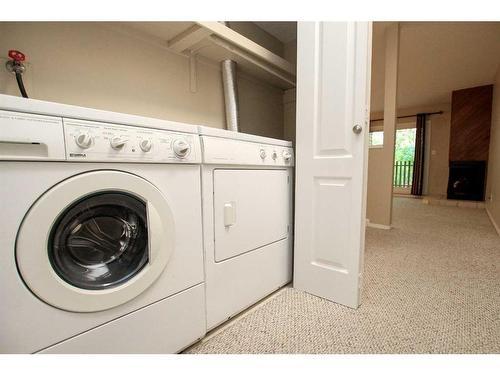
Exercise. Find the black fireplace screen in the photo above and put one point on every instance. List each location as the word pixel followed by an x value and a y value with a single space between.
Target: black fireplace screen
pixel 467 180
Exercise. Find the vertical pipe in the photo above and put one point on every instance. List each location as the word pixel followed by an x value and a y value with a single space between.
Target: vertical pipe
pixel 230 94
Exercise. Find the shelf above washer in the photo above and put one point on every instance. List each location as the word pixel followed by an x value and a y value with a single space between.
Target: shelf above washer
pixel 217 42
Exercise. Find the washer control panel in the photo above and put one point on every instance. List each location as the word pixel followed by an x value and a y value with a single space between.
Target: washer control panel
pixel 98 141
pixel 231 151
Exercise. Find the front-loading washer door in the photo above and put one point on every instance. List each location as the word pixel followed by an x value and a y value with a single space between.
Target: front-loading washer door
pixel 95 241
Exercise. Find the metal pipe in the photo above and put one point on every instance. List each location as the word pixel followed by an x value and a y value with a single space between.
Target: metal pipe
pixel 230 94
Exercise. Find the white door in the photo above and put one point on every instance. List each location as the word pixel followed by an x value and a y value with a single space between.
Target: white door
pixel 333 85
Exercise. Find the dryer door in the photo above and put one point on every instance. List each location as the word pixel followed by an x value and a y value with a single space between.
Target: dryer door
pixel 95 241
pixel 251 210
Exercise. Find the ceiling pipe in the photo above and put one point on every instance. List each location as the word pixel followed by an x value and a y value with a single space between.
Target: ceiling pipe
pixel 230 95
pixel 230 87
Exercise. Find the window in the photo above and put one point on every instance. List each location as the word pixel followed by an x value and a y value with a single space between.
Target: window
pixel 376 139
pixel 404 154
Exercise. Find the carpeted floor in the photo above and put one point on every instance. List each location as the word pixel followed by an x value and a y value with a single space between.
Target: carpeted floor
pixel 431 285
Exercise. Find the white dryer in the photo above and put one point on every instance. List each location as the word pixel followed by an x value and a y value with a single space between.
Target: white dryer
pixel 100 232
pixel 247 216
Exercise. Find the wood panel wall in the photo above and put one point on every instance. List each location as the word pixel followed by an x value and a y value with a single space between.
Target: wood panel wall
pixel 470 123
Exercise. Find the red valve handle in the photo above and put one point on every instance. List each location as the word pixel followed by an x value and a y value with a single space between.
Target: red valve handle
pixel 16 55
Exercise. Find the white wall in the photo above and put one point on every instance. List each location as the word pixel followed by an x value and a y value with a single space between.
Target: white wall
pixel 91 65
pixel 261 108
pixel 381 160
pixel 493 179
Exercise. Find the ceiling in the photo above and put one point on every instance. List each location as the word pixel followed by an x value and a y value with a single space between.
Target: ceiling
pixel 283 31
pixel 436 58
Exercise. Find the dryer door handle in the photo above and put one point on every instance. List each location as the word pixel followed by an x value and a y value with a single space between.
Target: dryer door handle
pixel 229 214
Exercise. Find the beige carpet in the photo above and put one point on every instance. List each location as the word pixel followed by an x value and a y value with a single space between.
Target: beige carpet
pixel 432 285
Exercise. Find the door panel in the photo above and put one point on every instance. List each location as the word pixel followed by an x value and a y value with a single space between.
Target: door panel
pixel 331 208
pixel 333 75
pixel 333 82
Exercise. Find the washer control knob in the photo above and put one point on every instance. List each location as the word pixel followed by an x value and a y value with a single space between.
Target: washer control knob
pixel 117 143
pixel 146 145
pixel 274 155
pixel 287 155
pixel 262 153
pixel 84 140
pixel 181 148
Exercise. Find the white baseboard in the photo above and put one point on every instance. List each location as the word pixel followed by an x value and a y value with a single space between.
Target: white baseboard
pixel 378 226
pixel 495 225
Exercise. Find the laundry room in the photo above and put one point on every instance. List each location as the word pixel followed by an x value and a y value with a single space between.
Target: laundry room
pixel 163 159
pixel 185 182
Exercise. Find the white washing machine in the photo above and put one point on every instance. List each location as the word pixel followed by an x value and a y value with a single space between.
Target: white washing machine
pixel 100 233
pixel 247 219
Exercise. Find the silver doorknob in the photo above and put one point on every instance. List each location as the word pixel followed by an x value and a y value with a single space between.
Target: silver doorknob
pixel 357 129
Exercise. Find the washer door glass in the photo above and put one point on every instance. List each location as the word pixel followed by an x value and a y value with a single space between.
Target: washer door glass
pixel 101 241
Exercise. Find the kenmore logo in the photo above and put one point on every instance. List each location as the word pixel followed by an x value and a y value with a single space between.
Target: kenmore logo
pixel 77 155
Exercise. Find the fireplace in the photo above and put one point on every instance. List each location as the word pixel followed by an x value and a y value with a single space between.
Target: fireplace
pixel 467 180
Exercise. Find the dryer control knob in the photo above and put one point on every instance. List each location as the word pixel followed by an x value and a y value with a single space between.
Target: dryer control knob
pixel 84 140
pixel 181 148
pixel 262 153
pixel 117 143
pixel 146 145
pixel 274 155
pixel 287 155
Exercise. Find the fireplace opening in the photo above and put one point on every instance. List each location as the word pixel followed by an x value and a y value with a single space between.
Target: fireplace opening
pixel 467 180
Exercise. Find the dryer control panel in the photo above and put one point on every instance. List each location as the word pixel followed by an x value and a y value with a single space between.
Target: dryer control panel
pixel 236 152
pixel 97 141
